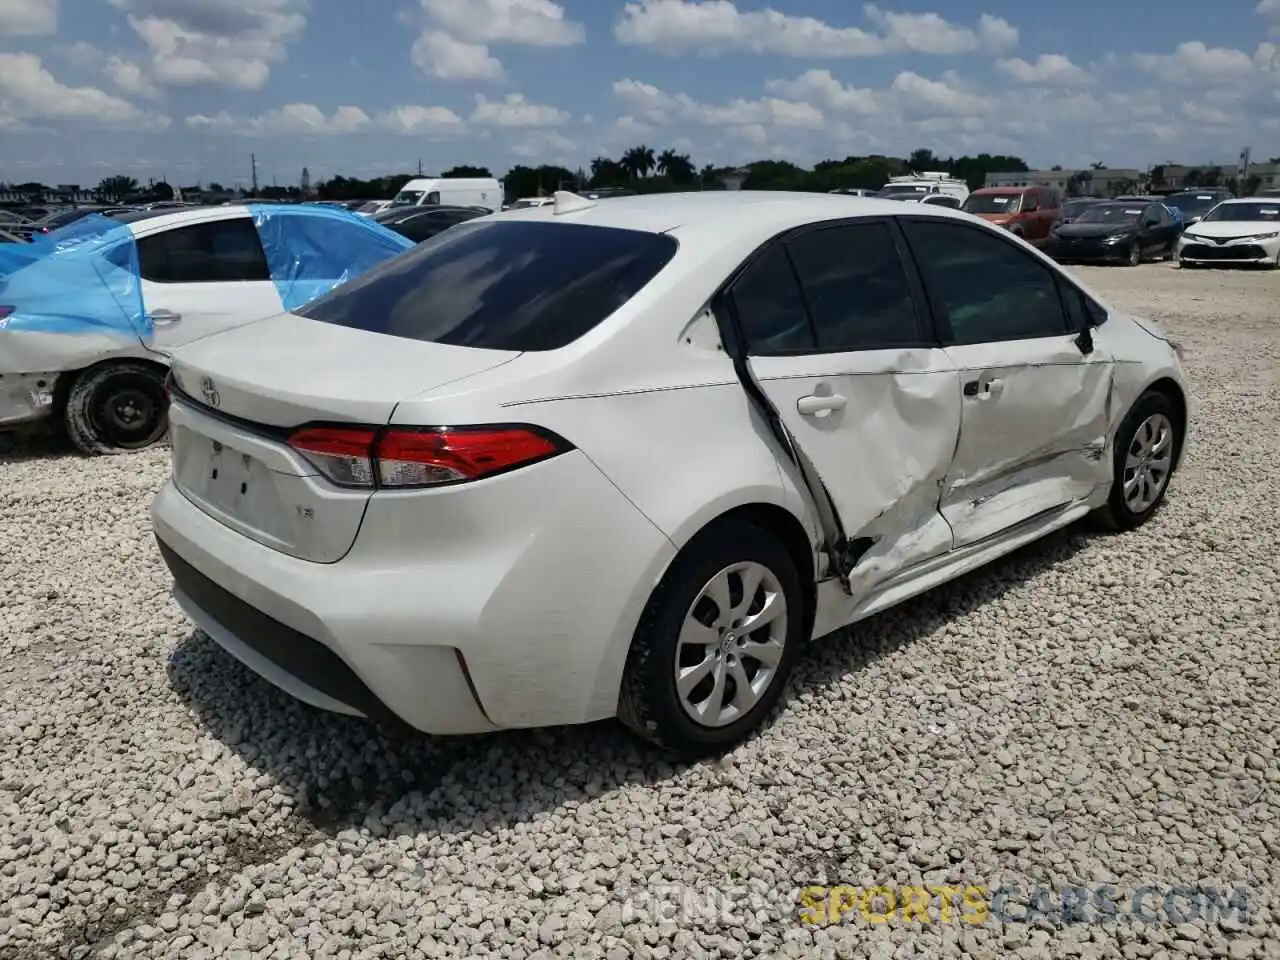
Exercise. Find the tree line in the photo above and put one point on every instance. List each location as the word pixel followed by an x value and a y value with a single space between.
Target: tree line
pixel 643 169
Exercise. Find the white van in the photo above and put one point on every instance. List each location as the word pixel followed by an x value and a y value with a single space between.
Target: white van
pixel 460 192
pixel 915 187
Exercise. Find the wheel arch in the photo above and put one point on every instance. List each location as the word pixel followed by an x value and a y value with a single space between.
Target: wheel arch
pixel 783 525
pixel 68 378
pixel 1173 391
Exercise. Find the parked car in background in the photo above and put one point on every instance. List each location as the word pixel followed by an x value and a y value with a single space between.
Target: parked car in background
pixel 1194 204
pixel 525 203
pixel 1026 212
pixel 942 200
pixel 851 401
pixel 451 191
pixel 1236 231
pixel 419 223
pixel 917 186
pixel 1116 232
pixel 1073 207
pixel 370 207
pixel 65 218
pixel 90 314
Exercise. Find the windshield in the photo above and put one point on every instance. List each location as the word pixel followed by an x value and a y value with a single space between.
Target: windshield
pixel 1193 203
pixel 993 203
pixel 899 191
pixel 1264 211
pixel 407 198
pixel 1073 208
pixel 373 206
pixel 1117 213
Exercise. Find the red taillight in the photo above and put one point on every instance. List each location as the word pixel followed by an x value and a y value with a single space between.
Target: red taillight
pixel 6 311
pixel 398 457
pixel 343 454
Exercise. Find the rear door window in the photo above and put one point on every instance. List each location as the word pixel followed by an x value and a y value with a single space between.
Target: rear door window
pixel 224 251
pixel 501 285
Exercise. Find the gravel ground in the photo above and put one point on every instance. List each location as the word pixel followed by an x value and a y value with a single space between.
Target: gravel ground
pixel 1093 710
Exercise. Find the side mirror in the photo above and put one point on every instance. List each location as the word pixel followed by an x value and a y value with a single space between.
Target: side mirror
pixel 1084 340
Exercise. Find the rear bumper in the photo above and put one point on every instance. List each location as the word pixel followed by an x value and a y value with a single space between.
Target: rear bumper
pixel 525 624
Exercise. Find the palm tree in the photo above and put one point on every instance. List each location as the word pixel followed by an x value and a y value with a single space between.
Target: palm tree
pixel 638 161
pixel 116 188
pixel 677 166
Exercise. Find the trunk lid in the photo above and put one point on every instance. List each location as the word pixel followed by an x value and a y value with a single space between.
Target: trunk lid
pixel 287 370
pixel 240 394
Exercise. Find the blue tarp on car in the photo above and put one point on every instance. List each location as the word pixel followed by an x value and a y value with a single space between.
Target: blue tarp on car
pixel 80 279
pixel 85 277
pixel 311 249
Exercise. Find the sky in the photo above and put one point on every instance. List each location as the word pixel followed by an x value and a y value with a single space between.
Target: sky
pixel 187 90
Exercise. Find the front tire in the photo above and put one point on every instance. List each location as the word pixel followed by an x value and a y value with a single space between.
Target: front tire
pixel 715 644
pixel 117 408
pixel 1146 449
pixel 1133 257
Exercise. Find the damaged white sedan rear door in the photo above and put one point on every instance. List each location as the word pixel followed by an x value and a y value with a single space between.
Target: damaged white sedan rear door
pixel 1035 393
pixel 837 340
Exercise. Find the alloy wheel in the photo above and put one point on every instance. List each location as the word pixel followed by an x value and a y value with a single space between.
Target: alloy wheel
pixel 731 644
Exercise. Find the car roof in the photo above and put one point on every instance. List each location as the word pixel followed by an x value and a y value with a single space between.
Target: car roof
pixel 748 215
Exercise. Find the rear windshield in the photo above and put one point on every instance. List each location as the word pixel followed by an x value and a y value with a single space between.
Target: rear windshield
pixel 504 285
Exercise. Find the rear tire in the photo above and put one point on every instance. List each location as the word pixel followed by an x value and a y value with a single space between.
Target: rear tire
pixel 1150 434
pixel 683 631
pixel 117 408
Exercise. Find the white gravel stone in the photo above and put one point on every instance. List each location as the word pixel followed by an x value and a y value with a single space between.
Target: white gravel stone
pixel 1092 710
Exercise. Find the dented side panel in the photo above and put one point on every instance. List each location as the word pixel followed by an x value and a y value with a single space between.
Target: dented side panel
pixel 1033 435
pixel 884 453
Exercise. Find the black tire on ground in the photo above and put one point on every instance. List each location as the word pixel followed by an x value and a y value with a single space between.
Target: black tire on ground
pixel 116 408
pixel 1134 256
pixel 649 703
pixel 1116 514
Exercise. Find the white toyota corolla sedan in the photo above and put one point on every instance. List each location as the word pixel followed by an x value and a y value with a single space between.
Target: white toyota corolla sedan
pixel 1237 231
pixel 625 458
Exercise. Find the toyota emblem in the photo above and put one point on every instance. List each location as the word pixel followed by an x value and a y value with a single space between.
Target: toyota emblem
pixel 210 392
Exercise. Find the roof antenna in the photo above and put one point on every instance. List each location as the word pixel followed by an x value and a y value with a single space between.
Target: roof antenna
pixel 568 202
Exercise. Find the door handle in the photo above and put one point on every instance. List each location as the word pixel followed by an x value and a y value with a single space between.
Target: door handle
pixel 819 406
pixel 164 317
pixel 984 389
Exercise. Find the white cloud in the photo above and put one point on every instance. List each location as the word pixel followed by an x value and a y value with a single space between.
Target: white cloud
pixel 28 18
pixel 515 111
pixel 653 106
pixel 929 33
pixel 306 119
pixel 819 86
pixel 547 146
pixel 534 23
pixel 1194 63
pixel 1048 69
pixel 220 42
pixel 713 26
pixel 455 43
pixel 441 55
pixel 29 92
pixel 130 77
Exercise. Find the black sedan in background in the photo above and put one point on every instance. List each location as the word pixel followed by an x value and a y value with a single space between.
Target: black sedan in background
pixel 1077 205
pixel 423 223
pixel 1115 232
pixel 1194 204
